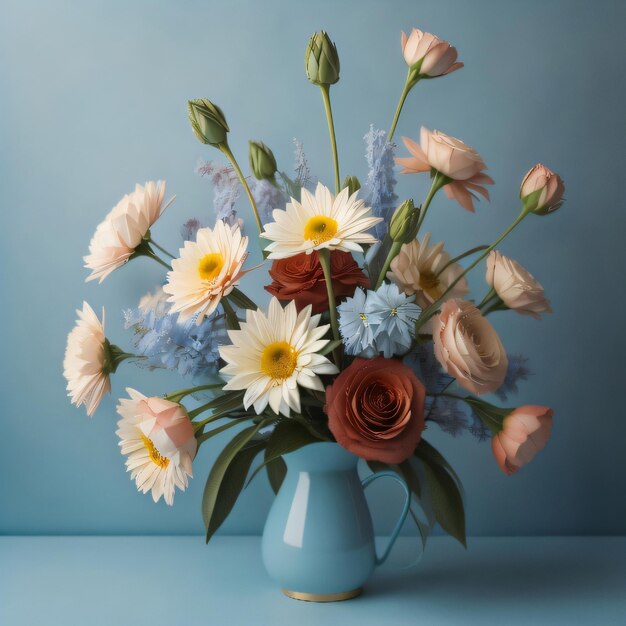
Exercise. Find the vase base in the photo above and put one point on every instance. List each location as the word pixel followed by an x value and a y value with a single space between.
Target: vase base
pixel 323 597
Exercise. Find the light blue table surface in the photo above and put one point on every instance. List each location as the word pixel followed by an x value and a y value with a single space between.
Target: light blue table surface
pixel 136 581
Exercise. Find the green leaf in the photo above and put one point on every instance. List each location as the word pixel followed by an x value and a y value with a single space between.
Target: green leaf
pixel 288 436
pixel 276 472
pixel 226 401
pixel 241 300
pixel 490 414
pixel 217 502
pixel 291 187
pixel 444 491
pixel 410 478
pixel 330 346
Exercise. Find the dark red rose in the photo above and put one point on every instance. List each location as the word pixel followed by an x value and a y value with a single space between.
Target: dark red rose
pixel 301 278
pixel 375 409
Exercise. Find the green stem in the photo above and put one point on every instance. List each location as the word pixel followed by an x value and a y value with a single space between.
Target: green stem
pixel 459 257
pixel 428 312
pixel 177 396
pixel 324 256
pixel 231 157
pixel 489 296
pixel 439 181
pixel 405 92
pixel 331 131
pixel 158 259
pixel 393 253
pixel 204 436
pixel 163 250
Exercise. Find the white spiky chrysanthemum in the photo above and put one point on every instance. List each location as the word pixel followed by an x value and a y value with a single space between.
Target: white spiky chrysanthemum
pixel 85 365
pixel 158 438
pixel 207 270
pixel 273 354
pixel 320 221
pixel 124 228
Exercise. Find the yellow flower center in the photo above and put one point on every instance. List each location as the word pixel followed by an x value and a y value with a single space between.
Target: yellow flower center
pixel 155 456
pixel 429 283
pixel 320 229
pixel 279 360
pixel 210 266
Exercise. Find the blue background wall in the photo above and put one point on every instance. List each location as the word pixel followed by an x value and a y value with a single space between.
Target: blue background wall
pixel 93 100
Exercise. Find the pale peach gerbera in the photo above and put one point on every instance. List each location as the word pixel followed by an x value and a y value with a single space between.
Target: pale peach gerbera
pixel 158 438
pixel 454 159
pixel 207 270
pixel 86 364
pixel 116 238
pixel 425 270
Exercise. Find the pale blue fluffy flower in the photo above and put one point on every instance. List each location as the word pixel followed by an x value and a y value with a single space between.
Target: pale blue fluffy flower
pixel 516 371
pixel 397 314
pixel 189 349
pixel 226 189
pixel 357 323
pixel 380 183
pixel 267 197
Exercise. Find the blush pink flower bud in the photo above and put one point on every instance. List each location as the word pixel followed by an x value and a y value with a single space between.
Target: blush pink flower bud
pixel 429 55
pixel 524 432
pixel 515 286
pixel 542 190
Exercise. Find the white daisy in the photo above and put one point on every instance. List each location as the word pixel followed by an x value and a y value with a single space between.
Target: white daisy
pixel 272 354
pixel 117 238
pixel 86 365
pixel 207 270
pixel 320 221
pixel 158 438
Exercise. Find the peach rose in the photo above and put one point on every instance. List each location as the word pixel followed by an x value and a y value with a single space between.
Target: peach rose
pixel 454 159
pixel 524 432
pixel 551 187
pixel 438 57
pixel 468 347
pixel 375 409
pixel 515 286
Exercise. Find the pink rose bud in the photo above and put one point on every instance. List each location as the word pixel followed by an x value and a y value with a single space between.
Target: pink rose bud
pixel 435 56
pixel 542 190
pixel 516 287
pixel 524 432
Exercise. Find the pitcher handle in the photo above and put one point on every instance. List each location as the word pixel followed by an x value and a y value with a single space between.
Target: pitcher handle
pixel 405 511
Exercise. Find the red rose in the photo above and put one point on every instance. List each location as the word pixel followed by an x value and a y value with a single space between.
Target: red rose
pixel 375 409
pixel 301 278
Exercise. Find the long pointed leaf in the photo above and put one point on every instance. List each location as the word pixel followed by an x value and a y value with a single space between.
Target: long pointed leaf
pixel 276 472
pixel 212 506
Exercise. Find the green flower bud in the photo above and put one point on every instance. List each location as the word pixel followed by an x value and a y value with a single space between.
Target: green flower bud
pixel 262 161
pixel 403 225
pixel 321 60
pixel 352 183
pixel 207 121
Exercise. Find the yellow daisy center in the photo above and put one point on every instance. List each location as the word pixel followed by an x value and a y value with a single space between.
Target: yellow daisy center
pixel 155 456
pixel 429 283
pixel 210 266
pixel 320 229
pixel 279 360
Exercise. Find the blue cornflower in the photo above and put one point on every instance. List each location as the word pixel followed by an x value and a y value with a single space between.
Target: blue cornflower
pixel 397 314
pixel 357 323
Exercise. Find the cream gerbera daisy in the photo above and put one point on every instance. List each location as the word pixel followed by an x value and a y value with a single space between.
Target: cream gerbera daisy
pixel 207 270
pixel 272 354
pixel 123 230
pixel 158 438
pixel 87 361
pixel 320 221
pixel 424 270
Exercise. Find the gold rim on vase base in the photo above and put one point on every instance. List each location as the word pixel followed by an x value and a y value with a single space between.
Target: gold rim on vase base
pixel 323 597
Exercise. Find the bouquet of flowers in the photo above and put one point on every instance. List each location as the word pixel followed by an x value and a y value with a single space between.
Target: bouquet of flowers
pixel 370 333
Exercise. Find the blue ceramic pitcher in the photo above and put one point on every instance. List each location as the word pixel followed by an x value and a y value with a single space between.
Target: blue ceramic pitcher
pixel 318 541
